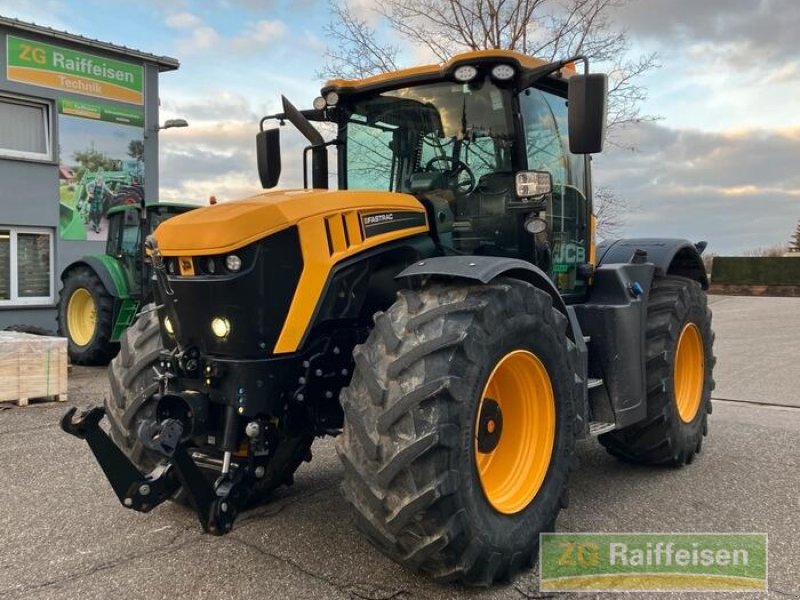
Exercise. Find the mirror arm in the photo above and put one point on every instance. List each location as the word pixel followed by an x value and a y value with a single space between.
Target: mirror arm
pixel 531 77
pixel 315 147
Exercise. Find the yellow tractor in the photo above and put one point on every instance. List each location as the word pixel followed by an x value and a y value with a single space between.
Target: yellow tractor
pixel 444 312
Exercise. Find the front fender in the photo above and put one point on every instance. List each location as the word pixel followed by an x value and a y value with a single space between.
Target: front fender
pixel 484 269
pixel 669 256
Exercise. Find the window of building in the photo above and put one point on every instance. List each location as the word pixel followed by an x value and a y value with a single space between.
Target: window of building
pixel 26 266
pixel 24 129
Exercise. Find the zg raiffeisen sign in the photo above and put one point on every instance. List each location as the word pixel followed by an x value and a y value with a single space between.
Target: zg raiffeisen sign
pixel 67 70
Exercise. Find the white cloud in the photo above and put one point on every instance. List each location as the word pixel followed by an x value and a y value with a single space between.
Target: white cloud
pixel 183 20
pixel 259 34
pixel 736 189
pixel 202 38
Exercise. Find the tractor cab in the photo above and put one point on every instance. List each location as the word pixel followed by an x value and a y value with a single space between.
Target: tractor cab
pixel 484 143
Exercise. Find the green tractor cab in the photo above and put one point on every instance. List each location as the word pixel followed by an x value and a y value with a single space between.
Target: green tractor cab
pixel 102 294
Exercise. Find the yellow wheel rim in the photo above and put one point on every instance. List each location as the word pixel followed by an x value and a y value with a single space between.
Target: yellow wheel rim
pixel 513 469
pixel 81 317
pixel 689 372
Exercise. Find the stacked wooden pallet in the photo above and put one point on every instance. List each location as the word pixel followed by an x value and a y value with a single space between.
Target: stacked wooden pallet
pixel 32 366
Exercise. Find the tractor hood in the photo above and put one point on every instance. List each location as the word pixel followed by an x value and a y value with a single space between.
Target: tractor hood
pixel 232 225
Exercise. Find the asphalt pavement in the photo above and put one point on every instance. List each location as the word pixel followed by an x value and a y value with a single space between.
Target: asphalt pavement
pixel 63 533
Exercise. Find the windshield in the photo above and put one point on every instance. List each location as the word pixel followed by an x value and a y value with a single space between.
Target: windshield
pixel 446 136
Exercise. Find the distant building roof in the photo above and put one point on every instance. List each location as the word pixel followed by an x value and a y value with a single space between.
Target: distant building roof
pixel 165 63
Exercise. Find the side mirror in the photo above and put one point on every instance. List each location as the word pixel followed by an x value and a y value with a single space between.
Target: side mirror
pixel 268 156
pixel 588 107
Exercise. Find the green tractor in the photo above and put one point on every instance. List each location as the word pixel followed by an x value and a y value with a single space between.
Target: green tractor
pixel 102 294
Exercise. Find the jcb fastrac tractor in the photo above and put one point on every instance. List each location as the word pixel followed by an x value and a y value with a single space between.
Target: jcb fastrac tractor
pixel 445 312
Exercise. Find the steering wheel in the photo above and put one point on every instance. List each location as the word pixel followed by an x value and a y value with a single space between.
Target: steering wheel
pixel 454 173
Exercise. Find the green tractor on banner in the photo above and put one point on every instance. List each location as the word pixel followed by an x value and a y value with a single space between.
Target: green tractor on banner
pixel 445 313
pixel 99 191
pixel 102 294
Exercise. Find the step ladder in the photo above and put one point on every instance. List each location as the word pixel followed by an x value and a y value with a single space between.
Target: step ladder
pixel 598 427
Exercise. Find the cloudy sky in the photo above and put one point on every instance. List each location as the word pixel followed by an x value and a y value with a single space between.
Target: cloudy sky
pixel 722 162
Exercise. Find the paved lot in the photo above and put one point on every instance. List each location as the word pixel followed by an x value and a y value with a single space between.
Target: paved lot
pixel 64 535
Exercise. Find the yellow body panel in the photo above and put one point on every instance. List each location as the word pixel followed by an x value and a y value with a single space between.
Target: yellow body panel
pixel 523 61
pixel 319 258
pixel 232 225
pixel 328 224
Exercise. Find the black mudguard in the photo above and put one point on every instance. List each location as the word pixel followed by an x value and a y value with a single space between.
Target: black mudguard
pixel 668 256
pixel 484 269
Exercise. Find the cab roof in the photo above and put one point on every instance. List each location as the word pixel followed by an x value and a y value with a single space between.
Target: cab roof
pixel 433 72
pixel 153 205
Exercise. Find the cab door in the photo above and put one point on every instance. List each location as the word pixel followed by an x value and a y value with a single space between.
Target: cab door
pixel 544 116
pixel 124 245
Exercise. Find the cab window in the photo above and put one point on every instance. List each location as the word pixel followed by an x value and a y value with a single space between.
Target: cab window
pixel 545 125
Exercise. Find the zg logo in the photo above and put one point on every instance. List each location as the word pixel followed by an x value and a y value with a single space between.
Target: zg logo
pixel 584 554
pixel 33 54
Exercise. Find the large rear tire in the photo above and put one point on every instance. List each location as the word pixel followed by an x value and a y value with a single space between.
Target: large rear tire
pixel 439 480
pixel 85 317
pixel 132 386
pixel 680 361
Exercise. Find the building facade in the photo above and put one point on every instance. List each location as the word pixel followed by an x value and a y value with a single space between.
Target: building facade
pixel 78 135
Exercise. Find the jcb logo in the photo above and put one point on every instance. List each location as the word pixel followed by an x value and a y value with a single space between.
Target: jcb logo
pixel 570 254
pixel 33 54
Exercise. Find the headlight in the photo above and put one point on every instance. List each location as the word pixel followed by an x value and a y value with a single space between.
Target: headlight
pixel 168 326
pixel 535 225
pixel 221 327
pixel 233 262
pixel 503 72
pixel 465 73
pixel 332 98
pixel 319 102
pixel 534 183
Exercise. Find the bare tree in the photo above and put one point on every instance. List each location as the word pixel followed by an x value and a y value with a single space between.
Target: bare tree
pixel 794 243
pixel 549 29
pixel 611 211
pixel 768 251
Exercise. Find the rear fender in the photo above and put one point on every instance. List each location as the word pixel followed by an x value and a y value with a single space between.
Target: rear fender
pixel 107 270
pixel 668 256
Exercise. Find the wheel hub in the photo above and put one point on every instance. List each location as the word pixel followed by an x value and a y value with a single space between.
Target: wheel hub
pixel 81 317
pixel 490 426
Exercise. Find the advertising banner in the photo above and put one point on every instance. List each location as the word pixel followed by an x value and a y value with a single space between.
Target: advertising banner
pixel 101 164
pixel 628 562
pixel 45 65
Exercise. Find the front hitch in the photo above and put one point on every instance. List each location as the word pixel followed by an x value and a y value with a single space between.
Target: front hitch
pixel 216 505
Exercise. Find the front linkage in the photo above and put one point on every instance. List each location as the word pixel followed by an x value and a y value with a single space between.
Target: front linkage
pixel 217 505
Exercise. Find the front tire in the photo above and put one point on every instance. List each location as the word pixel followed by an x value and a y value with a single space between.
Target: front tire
pixel 417 434
pixel 680 361
pixel 85 317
